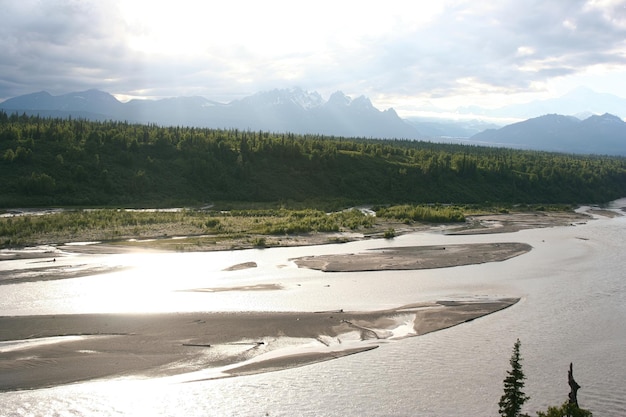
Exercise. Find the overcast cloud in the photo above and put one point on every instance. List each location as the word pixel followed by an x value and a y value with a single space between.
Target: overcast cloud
pixel 402 54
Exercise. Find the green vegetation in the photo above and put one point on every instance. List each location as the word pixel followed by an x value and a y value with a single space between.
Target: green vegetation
pixel 202 225
pixel 565 410
pixel 66 162
pixel 286 222
pixel 432 214
pixel 228 227
pixel 511 402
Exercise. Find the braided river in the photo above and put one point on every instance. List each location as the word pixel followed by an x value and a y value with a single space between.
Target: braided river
pixel 572 286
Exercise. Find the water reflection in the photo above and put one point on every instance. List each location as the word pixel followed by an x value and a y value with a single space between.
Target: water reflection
pixel 156 282
pixel 572 310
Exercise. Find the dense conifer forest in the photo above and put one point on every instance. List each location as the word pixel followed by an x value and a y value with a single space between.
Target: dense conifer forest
pixel 69 162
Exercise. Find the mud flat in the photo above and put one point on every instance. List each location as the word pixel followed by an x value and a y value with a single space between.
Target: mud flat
pixel 414 257
pixel 43 351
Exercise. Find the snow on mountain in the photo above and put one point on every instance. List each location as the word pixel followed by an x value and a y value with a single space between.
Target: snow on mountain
pixel 299 111
pixel 279 110
pixel 277 97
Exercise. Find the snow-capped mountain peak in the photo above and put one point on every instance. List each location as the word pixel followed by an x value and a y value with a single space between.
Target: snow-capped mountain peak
pixel 305 99
pixel 279 110
pixel 295 96
pixel 339 99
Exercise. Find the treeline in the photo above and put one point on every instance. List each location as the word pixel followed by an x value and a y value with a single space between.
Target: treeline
pixel 69 162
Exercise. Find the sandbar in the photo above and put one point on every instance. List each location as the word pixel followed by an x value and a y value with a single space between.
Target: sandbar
pixel 414 257
pixel 166 344
pixel 82 347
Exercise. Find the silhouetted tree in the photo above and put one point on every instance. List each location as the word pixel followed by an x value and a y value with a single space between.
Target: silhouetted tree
pixel 513 398
pixel 570 407
pixel 574 387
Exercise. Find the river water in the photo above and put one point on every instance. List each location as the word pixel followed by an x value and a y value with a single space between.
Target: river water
pixel 572 287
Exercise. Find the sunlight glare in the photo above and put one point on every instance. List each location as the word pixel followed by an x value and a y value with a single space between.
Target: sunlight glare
pixel 264 29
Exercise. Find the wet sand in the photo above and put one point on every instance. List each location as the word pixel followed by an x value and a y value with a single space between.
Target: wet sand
pixel 111 345
pixel 414 257
pixel 178 240
pixel 44 268
pixel 513 222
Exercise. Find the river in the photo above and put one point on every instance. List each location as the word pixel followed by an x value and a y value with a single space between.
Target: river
pixel 572 287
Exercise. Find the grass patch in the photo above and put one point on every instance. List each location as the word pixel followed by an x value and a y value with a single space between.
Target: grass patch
pixel 199 227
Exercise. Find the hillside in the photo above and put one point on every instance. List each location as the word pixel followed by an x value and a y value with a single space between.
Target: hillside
pixel 48 162
pixel 301 112
pixel 605 134
pixel 287 110
pixel 577 101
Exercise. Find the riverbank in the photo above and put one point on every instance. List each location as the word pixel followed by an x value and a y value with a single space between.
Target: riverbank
pixel 48 261
pixel 178 238
pixel 43 351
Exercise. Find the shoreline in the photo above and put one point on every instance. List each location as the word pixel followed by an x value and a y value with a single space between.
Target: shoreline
pixel 382 259
pixel 204 345
pixel 414 257
pixel 200 346
pixel 49 260
pixel 477 224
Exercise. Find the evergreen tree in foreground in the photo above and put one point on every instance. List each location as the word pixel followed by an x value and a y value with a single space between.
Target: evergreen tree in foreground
pixel 513 398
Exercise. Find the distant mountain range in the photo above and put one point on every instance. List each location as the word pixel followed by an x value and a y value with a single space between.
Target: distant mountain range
pixel 579 101
pixel 604 134
pixel 298 111
pixel 287 110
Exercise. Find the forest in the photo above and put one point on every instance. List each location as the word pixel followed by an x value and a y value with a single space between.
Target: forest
pixel 51 162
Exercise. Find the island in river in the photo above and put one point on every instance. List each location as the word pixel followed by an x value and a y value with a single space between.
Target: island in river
pixel 41 351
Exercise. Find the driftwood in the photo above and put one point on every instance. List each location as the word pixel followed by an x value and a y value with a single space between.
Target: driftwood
pixel 573 385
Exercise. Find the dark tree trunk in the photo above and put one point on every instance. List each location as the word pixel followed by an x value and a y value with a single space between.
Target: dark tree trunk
pixel 573 385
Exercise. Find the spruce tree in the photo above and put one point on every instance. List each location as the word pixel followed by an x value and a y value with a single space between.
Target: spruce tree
pixel 513 398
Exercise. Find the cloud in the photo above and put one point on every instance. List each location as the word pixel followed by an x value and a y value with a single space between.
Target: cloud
pixel 56 45
pixel 512 50
pixel 226 50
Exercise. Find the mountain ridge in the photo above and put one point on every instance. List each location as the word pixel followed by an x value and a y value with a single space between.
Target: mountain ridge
pixel 293 110
pixel 578 100
pixel 298 111
pixel 597 134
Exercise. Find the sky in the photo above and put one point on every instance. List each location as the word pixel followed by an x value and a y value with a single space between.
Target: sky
pixel 415 56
